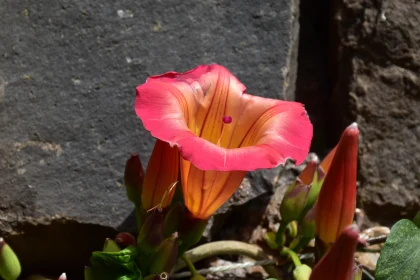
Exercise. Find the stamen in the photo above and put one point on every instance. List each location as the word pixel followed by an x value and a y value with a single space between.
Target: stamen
pixel 226 120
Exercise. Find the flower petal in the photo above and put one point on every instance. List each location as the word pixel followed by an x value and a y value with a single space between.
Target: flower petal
pixel 326 162
pixel 162 171
pixel 206 190
pixel 187 110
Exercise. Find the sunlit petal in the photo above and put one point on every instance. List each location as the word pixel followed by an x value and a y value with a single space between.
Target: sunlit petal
pixel 187 110
pixel 162 171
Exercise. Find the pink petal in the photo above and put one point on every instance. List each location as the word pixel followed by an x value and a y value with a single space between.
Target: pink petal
pixel 187 110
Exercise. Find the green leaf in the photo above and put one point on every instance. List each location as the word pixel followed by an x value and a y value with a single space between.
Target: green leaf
pixel 400 257
pixel 115 265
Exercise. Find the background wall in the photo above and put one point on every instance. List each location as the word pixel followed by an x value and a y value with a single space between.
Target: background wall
pixel 68 72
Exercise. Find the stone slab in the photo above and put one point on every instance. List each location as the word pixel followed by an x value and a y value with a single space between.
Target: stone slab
pixel 68 72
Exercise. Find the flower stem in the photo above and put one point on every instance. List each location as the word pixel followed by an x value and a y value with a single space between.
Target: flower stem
pixel 227 248
pixel 189 264
pixel 279 234
pixel 290 253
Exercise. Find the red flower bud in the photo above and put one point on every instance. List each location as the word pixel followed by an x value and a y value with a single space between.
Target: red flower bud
pixel 124 239
pixel 133 178
pixel 337 199
pixel 338 263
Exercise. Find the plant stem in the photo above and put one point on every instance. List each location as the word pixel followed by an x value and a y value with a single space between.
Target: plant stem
pixel 303 241
pixel 227 248
pixel 189 264
pixel 287 252
pixel 279 234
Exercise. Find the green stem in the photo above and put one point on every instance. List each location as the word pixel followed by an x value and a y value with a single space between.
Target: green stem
pixel 227 248
pixel 279 234
pixel 189 265
pixel 287 252
pixel 303 241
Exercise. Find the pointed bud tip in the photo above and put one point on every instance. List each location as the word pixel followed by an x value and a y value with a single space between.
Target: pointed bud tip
pixel 313 157
pixel 353 128
pixel 125 239
pixel 352 230
pixel 63 276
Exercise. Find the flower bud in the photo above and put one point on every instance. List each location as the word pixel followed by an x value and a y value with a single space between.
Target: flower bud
pixel 88 273
pixel 337 199
pixel 174 218
pixel 125 239
pixel 338 262
pixel 293 202
pixel 63 276
pixel 307 175
pixel 161 174
pixel 292 229
pixel 316 185
pixel 165 257
pixel 133 178
pixel 110 246
pixel 9 263
pixel 151 233
pixel 302 272
pixel 270 239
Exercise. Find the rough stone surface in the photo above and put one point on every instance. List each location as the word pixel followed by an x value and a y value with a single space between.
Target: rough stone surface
pixel 67 80
pixel 378 86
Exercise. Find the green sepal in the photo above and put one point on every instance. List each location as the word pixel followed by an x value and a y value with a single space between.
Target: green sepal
pixel 165 257
pixel 174 218
pixel 10 268
pixel 293 202
pixel 270 239
pixel 110 246
pixel 190 233
pixel 115 265
pixel 88 273
pixel 302 272
pixel 314 191
pixel 151 233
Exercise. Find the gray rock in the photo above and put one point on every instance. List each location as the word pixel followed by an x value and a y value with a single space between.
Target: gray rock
pixel 67 84
pixel 378 86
